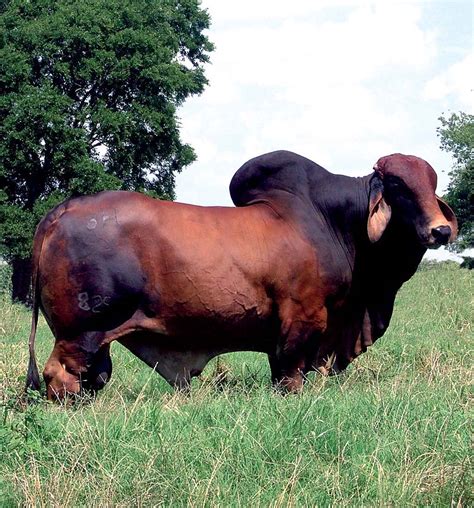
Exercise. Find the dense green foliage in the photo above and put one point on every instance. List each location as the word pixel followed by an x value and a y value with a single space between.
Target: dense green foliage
pixel 5 280
pixel 457 136
pixel 90 94
pixel 392 431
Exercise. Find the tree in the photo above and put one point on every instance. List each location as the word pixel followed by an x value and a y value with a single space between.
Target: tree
pixel 91 89
pixel 457 136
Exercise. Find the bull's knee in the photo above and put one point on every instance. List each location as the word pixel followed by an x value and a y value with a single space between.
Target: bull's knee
pixel 275 368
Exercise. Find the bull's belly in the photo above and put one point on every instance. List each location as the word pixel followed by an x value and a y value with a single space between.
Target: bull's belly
pixel 235 323
pixel 175 363
pixel 189 320
pixel 179 339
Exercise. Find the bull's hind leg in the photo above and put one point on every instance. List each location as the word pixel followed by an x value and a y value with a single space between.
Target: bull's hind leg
pixel 176 366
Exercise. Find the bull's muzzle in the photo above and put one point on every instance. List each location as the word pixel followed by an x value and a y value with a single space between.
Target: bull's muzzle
pixel 441 234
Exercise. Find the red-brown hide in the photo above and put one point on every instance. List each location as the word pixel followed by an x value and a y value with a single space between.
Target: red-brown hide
pixel 289 272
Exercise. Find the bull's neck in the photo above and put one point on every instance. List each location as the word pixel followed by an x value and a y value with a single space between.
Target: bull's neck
pixel 346 211
pixel 343 204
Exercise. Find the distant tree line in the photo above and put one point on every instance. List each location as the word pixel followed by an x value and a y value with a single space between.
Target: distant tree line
pixel 457 137
pixel 90 91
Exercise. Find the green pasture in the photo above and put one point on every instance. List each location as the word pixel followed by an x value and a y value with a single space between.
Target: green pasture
pixel 394 430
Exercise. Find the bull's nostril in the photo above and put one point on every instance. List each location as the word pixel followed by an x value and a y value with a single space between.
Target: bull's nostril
pixel 441 234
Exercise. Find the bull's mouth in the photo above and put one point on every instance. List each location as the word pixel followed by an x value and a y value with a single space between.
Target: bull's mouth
pixel 59 393
pixel 433 244
pixel 436 237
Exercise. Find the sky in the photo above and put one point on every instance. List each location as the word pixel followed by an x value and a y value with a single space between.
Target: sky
pixel 340 82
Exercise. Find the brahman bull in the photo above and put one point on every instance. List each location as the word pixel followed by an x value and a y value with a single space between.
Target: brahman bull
pixel 305 268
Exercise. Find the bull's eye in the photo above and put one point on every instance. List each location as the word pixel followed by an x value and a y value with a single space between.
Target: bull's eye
pixel 396 187
pixel 395 184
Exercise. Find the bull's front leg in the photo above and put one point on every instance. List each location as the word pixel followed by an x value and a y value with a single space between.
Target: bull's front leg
pixel 299 327
pixel 289 360
pixel 100 370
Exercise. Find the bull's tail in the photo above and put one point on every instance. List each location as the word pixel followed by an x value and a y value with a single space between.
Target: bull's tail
pixel 32 377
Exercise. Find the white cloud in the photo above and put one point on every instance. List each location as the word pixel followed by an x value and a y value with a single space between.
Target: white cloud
pixel 253 11
pixel 339 85
pixel 299 52
pixel 249 11
pixel 457 81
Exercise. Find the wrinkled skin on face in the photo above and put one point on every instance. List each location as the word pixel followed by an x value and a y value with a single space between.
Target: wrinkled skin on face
pixel 305 268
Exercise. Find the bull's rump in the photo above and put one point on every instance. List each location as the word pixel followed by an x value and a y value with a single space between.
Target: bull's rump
pixel 191 271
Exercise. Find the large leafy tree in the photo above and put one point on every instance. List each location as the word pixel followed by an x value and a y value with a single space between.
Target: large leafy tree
pixel 457 136
pixel 90 94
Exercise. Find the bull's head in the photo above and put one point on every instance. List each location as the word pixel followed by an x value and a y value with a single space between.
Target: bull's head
pixel 403 187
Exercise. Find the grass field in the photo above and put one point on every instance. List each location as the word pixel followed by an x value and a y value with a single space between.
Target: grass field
pixel 393 430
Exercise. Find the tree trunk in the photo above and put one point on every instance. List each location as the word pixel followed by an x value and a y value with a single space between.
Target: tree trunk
pixel 21 281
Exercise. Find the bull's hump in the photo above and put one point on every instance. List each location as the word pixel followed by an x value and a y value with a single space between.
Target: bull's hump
pixel 269 175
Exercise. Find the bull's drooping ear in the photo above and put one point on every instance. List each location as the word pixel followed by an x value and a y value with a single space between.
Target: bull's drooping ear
pixel 450 217
pixel 379 211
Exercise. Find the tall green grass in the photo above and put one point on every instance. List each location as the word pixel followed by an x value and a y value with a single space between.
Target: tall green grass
pixel 393 430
